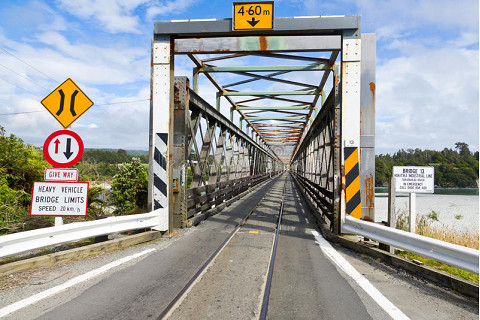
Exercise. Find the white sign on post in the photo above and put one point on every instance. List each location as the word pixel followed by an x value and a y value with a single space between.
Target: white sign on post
pixel 414 179
pixel 59 198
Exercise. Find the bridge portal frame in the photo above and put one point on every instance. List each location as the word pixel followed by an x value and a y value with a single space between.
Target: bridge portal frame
pixel 164 47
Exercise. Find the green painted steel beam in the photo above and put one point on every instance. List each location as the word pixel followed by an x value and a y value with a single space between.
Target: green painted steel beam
pixel 309 67
pixel 270 93
pixel 277 118
pixel 308 107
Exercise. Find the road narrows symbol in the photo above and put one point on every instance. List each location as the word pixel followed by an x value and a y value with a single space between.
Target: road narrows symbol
pixel 57 103
pixel 72 103
pixel 62 102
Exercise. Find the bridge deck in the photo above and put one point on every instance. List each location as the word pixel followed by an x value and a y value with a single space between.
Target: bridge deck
pixel 305 283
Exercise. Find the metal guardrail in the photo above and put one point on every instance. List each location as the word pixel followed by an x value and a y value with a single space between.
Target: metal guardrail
pixel 455 255
pixel 16 243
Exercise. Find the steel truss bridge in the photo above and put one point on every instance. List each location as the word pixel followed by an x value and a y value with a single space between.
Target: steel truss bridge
pixel 287 136
pixel 311 109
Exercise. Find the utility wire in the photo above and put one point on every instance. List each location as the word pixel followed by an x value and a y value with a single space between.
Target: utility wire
pixel 18 74
pixel 9 114
pixel 98 105
pixel 27 64
pixel 120 102
pixel 13 84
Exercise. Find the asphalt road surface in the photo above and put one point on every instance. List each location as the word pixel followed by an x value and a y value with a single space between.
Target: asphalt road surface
pixel 309 281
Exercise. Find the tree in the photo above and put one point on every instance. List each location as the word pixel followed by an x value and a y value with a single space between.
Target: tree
pixel 462 148
pixel 453 168
pixel 21 164
pixel 130 187
pixel 96 202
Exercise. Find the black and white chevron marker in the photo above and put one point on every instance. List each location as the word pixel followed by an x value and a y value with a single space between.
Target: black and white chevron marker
pixel 160 171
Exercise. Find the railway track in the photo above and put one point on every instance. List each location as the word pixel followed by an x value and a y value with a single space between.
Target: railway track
pixel 266 222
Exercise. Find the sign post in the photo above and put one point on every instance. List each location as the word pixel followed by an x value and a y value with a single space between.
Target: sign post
pixel 413 180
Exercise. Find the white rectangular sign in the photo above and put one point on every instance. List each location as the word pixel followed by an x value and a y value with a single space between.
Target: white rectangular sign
pixel 414 179
pixel 54 174
pixel 59 198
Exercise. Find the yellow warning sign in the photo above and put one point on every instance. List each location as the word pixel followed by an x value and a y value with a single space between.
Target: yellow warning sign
pixel 252 15
pixel 67 103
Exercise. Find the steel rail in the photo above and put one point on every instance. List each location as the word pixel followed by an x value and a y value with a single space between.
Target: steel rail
pixel 266 296
pixel 182 292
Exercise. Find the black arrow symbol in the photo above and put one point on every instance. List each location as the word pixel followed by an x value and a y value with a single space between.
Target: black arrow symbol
pixel 67 153
pixel 253 22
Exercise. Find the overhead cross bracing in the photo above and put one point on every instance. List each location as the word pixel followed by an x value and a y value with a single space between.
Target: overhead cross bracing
pixel 276 94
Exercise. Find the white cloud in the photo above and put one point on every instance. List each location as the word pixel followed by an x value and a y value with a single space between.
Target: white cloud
pixel 409 14
pixel 114 15
pixel 168 7
pixel 392 19
pixel 120 15
pixel 92 64
pixel 428 100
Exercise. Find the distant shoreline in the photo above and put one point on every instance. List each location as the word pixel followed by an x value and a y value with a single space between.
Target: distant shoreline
pixel 442 191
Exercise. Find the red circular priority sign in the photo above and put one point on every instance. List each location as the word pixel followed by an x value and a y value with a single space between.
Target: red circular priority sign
pixel 63 148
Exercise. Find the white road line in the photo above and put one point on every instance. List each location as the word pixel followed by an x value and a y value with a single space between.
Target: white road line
pixel 376 295
pixel 52 291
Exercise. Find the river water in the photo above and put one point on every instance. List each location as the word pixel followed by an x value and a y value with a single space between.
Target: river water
pixel 456 209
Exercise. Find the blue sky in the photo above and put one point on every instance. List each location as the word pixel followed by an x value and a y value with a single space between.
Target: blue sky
pixel 427 65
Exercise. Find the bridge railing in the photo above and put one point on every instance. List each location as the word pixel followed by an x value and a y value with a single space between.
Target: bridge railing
pixel 213 160
pixel 316 162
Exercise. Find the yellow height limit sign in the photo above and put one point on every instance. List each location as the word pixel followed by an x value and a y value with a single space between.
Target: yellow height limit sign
pixel 67 103
pixel 252 15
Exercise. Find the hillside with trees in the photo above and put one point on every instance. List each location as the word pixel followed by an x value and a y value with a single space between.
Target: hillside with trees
pixel 454 168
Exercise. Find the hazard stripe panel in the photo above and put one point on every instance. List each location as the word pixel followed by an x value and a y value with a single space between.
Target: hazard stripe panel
pixel 160 171
pixel 352 180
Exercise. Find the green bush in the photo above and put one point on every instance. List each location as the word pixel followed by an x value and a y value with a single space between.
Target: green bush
pixel 130 187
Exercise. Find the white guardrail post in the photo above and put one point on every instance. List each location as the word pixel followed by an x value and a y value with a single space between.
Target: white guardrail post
pixel 16 243
pixel 455 255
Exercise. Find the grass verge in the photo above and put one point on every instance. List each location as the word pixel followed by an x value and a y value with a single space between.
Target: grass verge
pixel 426 226
pixel 439 265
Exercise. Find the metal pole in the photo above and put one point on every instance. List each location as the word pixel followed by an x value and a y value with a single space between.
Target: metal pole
pixel 58 221
pixel 218 100
pixel 180 152
pixel 195 79
pixel 161 128
pixel 367 123
pixel 391 212
pixel 412 199
pixel 391 202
